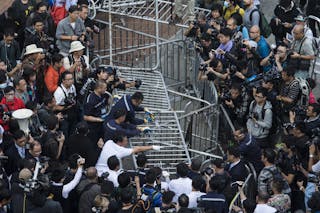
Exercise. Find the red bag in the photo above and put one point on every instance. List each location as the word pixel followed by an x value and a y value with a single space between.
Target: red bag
pixel 58 13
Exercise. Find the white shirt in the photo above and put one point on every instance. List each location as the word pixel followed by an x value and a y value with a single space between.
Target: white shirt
pixel 180 186
pixel 60 96
pixel 109 149
pixel 113 177
pixel 264 208
pixel 316 167
pixel 193 196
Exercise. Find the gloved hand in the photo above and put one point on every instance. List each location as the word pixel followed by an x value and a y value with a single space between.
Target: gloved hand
pixel 156 148
pixel 149 116
pixel 145 129
pixel 138 83
pixel 165 174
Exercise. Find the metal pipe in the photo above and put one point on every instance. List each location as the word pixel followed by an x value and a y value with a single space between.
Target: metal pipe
pixel 110 33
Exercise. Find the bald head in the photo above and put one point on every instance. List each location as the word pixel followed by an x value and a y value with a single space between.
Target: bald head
pixel 298 32
pixel 91 173
pixel 255 33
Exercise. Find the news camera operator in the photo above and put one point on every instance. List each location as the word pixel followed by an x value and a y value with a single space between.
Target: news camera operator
pixel 310 117
pixel 236 103
pixel 205 47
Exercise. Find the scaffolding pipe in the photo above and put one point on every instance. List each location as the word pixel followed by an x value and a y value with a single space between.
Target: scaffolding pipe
pixel 110 33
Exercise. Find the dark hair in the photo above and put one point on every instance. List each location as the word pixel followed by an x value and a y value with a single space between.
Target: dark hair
pixel 217 183
pixel 57 175
pixel 32 105
pixel 217 7
pixel 197 182
pixel 52 122
pixel 270 154
pixel 316 108
pixel 206 37
pixel 150 176
pixel 3 77
pixel 37 19
pixel 107 187
pixel 234 151
pixel 183 200
pixel 32 145
pixel 64 74
pixel 278 184
pixel 124 179
pixel 301 126
pixel 137 96
pixel 73 161
pixel 218 163
pixel 118 138
pixel 119 113
pixel 141 160
pixel 56 58
pixel 263 91
pixel 8 32
pixel 28 72
pixel 19 134
pixel 113 162
pixel 290 70
pixel 82 128
pixel 215 62
pixel 126 196
pixel 182 169
pixel 196 164
pixel 238 18
pixel 167 197
pixel 236 87
pixel 263 196
pixel 285 3
pixel 73 8
pixel 47 99
pixel 16 81
pixel 8 89
pixel 226 32
pixel 41 4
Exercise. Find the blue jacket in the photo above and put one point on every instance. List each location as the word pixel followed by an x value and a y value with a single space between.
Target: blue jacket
pixel 112 129
pixel 214 201
pixel 125 103
pixel 154 195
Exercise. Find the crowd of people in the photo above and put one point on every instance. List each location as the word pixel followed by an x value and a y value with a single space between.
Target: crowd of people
pixel 70 160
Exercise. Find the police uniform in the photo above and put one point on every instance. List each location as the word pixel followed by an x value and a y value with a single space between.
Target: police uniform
pixel 125 103
pixel 96 106
pixel 112 129
pixel 213 200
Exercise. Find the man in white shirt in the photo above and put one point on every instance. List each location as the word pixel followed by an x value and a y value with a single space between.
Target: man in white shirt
pixel 182 185
pixel 197 182
pixel 262 199
pixel 114 170
pixel 117 147
pixel 65 96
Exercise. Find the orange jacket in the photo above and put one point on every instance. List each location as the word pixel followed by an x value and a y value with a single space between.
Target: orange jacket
pixel 51 78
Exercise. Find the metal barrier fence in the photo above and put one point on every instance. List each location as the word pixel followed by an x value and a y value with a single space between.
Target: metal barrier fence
pixel 199 121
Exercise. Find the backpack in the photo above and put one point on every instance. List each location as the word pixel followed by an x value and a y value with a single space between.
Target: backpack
pixel 265 28
pixel 304 93
pixel 276 175
pixel 153 197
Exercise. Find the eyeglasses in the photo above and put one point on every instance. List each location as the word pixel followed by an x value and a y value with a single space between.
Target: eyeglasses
pixel 68 79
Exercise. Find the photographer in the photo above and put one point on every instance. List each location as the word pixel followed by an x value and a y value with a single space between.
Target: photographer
pixel 312 120
pixel 101 204
pixel 278 58
pixel 289 93
pixel 205 47
pixel 60 190
pixel 33 58
pixel 65 96
pixel 9 50
pixel 198 27
pixel 226 44
pixel 239 32
pixel 36 35
pixel 214 72
pixel 77 63
pixel 154 196
pixel 236 103
pixel 260 118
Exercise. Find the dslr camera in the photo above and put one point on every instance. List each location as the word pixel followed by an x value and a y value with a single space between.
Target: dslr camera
pixel 70 100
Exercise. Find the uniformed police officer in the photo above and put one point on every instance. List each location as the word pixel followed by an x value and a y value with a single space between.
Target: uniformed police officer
pixel 95 110
pixel 118 126
pixel 130 104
